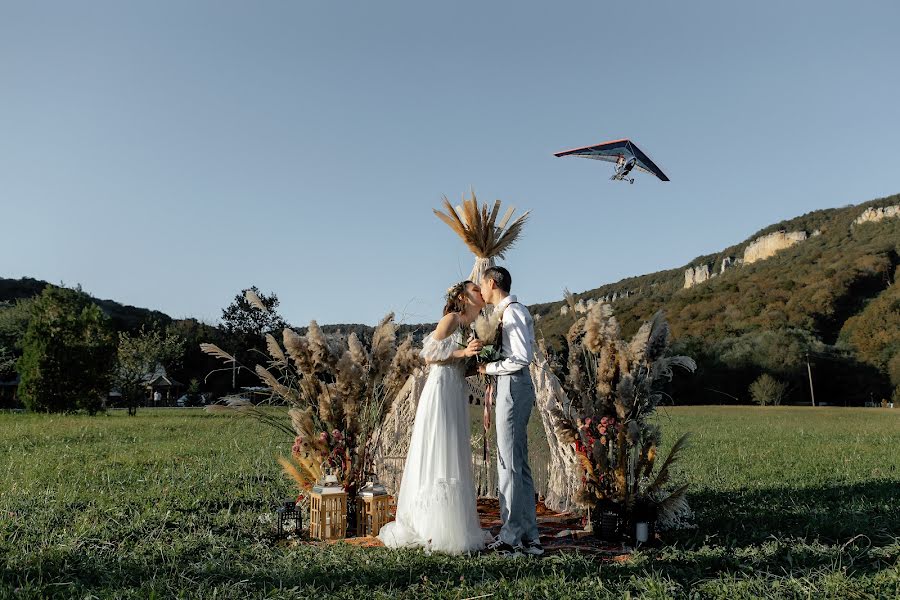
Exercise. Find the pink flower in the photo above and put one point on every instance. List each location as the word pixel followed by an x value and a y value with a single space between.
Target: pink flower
pixel 337 435
pixel 604 421
pixel 603 431
pixel 323 436
pixel 587 422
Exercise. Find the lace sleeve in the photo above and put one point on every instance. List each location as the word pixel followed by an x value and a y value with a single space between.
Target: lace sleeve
pixel 438 350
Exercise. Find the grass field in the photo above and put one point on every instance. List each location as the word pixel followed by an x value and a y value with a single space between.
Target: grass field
pixel 789 502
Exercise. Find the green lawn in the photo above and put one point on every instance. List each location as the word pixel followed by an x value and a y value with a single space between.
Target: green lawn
pixel 789 502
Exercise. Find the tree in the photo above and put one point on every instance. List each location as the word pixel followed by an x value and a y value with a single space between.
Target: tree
pixel 252 313
pixel 67 352
pixel 140 354
pixel 246 321
pixel 7 361
pixel 767 390
pixel 875 332
pixel 894 369
pixel 14 319
pixel 197 364
pixel 194 398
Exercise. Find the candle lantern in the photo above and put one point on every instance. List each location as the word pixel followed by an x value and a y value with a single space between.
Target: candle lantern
pixel 372 508
pixel 328 509
pixel 288 515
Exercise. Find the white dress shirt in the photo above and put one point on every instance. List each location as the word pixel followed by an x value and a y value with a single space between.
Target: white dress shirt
pixel 518 339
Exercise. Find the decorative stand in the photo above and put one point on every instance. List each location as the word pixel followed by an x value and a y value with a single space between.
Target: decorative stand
pixel 608 521
pixel 328 510
pixel 372 508
pixel 284 514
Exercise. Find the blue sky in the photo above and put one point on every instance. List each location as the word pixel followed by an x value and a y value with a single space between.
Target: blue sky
pixel 169 154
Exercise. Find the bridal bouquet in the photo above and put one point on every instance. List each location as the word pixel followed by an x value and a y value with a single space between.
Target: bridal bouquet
pixel 485 328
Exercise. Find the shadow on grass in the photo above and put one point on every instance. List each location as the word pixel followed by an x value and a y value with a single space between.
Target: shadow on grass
pixel 830 514
pixel 747 534
pixel 313 569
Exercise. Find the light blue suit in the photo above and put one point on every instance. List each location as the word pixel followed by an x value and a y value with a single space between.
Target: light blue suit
pixel 514 400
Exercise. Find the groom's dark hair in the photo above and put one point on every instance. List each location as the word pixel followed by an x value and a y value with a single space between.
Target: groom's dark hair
pixel 500 276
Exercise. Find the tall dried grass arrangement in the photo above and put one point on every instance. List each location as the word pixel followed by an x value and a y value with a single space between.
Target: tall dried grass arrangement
pixel 613 386
pixel 338 394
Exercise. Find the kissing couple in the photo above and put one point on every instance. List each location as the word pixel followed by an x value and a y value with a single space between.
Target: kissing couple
pixel 436 504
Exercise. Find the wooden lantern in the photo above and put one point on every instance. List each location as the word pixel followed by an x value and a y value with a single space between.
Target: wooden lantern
pixel 328 510
pixel 372 508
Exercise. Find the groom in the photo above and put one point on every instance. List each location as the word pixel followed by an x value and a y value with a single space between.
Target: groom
pixel 515 397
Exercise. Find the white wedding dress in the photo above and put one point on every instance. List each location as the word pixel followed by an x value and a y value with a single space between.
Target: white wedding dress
pixel 436 504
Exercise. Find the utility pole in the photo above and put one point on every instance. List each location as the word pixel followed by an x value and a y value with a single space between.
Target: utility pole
pixel 812 393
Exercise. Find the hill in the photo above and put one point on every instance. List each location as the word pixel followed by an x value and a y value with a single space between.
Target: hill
pixel 821 283
pixel 808 296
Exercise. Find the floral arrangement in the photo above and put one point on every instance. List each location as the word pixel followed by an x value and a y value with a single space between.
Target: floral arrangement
pixel 612 387
pixel 338 393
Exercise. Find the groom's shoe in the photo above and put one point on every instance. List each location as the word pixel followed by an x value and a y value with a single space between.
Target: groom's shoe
pixel 500 547
pixel 533 548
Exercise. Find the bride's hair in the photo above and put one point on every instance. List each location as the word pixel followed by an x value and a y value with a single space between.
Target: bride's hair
pixel 454 302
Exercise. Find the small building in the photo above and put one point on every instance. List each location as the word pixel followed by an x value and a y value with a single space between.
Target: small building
pixel 162 390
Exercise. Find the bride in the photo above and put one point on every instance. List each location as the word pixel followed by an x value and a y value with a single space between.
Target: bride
pixel 436 505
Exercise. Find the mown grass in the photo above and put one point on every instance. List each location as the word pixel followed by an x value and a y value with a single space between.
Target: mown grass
pixel 789 502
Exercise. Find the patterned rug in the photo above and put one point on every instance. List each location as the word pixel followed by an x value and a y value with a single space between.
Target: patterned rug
pixel 560 532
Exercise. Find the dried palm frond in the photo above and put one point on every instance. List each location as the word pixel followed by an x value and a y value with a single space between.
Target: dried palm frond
pixel 478 228
pixel 673 506
pixel 663 476
pixel 662 367
pixel 311 463
pixel 255 300
pixel 658 340
pixel 291 471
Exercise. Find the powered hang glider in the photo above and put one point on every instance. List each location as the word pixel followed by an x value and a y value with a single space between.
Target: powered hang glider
pixel 624 153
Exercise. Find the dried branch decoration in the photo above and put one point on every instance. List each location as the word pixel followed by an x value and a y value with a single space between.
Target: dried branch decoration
pixel 478 228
